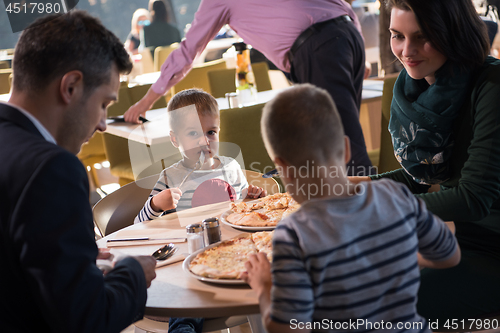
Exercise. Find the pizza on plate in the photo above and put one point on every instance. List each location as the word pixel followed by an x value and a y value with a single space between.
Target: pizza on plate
pixel 264 212
pixel 227 259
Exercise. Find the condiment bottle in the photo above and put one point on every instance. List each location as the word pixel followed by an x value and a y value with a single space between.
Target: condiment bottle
pixel 245 80
pixel 212 230
pixel 195 237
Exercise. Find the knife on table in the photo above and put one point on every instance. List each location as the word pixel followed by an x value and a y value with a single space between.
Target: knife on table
pixel 172 239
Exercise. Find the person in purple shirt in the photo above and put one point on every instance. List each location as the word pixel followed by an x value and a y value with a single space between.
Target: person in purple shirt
pixel 316 41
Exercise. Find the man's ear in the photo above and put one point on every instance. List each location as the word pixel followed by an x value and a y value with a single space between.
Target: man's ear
pixel 173 139
pixel 71 86
pixel 347 149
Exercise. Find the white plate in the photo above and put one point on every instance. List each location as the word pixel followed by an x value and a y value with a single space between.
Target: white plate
pixel 187 262
pixel 243 227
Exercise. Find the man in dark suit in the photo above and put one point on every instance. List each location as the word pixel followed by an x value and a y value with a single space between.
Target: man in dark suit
pixel 66 73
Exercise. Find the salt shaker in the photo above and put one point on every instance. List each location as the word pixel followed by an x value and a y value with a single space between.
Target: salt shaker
pixel 195 237
pixel 212 230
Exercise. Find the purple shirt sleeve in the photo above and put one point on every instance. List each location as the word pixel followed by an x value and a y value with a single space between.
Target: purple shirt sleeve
pixel 269 26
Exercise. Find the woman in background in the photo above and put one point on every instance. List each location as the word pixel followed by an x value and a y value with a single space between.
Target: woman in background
pixel 140 19
pixel 159 32
pixel 445 127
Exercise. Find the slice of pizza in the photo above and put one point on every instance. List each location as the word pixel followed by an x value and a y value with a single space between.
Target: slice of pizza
pixel 264 243
pixel 225 261
pixel 255 219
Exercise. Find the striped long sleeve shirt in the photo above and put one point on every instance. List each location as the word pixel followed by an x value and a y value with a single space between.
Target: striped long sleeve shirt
pixel 229 171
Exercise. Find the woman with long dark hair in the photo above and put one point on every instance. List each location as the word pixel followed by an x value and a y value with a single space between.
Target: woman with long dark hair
pixel 445 127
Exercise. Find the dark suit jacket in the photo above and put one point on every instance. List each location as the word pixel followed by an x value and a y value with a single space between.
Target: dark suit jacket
pixel 48 278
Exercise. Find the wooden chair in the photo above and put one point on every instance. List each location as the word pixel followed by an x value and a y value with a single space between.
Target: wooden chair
pixel 161 54
pixel 241 126
pixel 386 159
pixel 118 209
pixel 5 81
pixel 198 77
pixel 223 81
pixel 93 152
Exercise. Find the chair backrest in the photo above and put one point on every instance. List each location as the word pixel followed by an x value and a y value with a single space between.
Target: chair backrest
pixel 4 80
pixel 261 73
pixel 198 77
pixel 147 62
pixel 268 184
pixel 241 126
pixel 223 80
pixel 123 103
pixel 118 209
pixel 387 161
pixel 117 153
pixel 161 54
pixel 4 64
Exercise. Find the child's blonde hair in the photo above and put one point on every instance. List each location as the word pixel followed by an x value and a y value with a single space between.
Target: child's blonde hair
pixel 302 124
pixel 205 104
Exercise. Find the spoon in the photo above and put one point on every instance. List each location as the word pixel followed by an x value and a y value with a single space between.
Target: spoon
pixel 165 252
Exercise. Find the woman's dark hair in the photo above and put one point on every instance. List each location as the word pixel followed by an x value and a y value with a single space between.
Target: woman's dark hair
pixel 57 44
pixel 454 28
pixel 159 11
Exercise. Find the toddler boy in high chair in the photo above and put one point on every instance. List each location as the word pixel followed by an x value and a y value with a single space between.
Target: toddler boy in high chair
pixel 194 129
pixel 349 254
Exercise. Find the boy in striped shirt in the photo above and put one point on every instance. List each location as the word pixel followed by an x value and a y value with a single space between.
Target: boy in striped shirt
pixel 194 129
pixel 347 259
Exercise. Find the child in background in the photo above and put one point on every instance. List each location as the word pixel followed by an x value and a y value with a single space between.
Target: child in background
pixel 349 254
pixel 194 130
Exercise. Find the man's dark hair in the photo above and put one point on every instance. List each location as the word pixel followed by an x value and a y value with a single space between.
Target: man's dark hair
pixel 452 27
pixel 57 44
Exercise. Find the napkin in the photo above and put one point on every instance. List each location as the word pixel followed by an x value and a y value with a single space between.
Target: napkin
pixel 174 259
pixel 156 235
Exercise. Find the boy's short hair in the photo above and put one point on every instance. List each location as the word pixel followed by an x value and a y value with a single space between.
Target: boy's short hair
pixel 302 124
pixel 205 104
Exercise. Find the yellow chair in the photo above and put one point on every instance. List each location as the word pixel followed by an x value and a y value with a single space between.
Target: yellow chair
pixel 123 103
pixel 147 62
pixel 93 152
pixel 383 158
pixel 4 65
pixel 241 126
pixel 198 77
pixel 268 184
pixel 118 209
pixel 261 73
pixel 161 54
pixel 5 81
pixel 223 81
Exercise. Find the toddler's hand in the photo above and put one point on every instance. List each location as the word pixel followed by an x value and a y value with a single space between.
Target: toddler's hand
pixel 258 274
pixel 255 192
pixel 166 199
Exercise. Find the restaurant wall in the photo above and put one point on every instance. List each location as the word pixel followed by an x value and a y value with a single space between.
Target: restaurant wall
pixel 114 14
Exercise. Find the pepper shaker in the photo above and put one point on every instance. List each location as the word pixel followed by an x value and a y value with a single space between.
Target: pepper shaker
pixel 195 237
pixel 212 230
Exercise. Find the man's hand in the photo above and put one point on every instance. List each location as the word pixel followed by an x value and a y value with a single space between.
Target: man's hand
pixel 258 274
pixel 254 192
pixel 166 199
pixel 148 264
pixel 104 254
